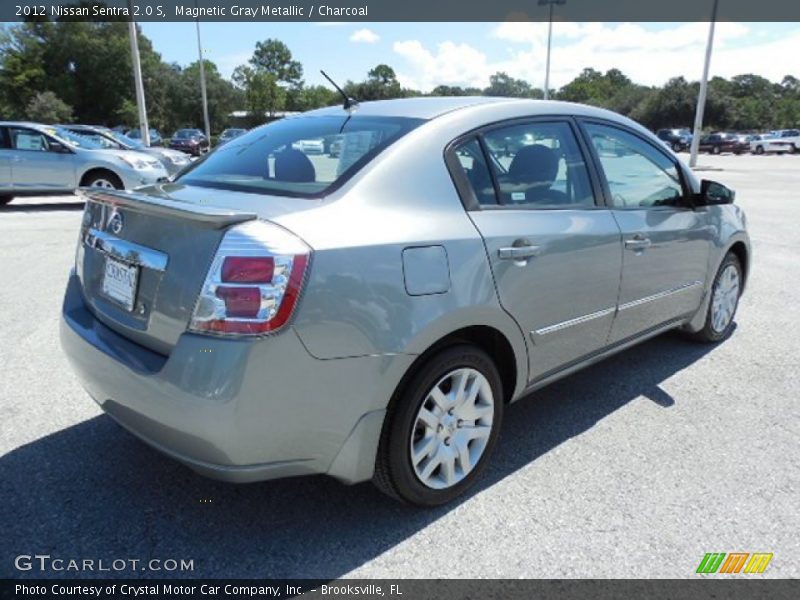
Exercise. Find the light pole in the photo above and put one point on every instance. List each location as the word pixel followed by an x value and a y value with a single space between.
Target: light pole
pixel 137 79
pixel 701 97
pixel 549 39
pixel 203 80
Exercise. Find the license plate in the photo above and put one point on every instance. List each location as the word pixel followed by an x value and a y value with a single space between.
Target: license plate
pixel 119 282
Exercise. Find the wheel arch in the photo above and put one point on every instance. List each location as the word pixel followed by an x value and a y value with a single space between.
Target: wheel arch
pixel 97 170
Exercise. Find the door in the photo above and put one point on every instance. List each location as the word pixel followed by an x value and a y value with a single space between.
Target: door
pixel 666 243
pixel 36 165
pixel 555 253
pixel 5 162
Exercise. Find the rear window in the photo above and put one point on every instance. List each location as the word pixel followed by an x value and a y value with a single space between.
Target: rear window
pixel 301 156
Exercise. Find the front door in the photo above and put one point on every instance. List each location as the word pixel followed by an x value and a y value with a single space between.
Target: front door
pixel 666 243
pixel 36 166
pixel 555 252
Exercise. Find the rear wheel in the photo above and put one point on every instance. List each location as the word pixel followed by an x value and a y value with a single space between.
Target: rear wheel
pixel 441 428
pixel 5 200
pixel 715 150
pixel 677 147
pixel 724 301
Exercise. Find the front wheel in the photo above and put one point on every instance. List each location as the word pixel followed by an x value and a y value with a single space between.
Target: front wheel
pixel 724 301
pixel 715 150
pixel 106 180
pixel 441 428
pixel 759 149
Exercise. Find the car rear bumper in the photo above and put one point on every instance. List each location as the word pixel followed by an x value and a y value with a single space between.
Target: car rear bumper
pixel 235 410
pixel 133 178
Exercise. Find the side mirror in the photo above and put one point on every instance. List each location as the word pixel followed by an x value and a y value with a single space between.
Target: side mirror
pixel 713 193
pixel 57 147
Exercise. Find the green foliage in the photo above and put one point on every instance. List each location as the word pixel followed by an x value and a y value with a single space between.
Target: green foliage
pixel 83 69
pixel 46 107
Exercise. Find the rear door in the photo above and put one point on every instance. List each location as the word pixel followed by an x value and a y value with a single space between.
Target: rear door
pixel 555 252
pixel 666 242
pixel 35 166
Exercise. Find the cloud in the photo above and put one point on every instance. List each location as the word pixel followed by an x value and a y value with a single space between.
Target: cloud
pixel 365 36
pixel 648 56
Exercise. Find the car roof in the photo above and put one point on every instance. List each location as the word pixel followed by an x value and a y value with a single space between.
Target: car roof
pixel 431 107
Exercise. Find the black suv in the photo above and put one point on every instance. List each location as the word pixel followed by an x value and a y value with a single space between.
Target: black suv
pixel 679 139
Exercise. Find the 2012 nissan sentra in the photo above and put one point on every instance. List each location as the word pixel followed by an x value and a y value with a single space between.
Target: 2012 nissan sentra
pixel 369 315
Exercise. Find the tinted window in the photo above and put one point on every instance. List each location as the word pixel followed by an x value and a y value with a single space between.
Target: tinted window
pixel 638 174
pixel 473 162
pixel 540 165
pixel 288 157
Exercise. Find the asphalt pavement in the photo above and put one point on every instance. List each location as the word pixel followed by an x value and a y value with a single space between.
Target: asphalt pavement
pixel 633 468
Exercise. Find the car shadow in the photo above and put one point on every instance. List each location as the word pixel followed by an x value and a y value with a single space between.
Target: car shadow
pixel 94 491
pixel 42 207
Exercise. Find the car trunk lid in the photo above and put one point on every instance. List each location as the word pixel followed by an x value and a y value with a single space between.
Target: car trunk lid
pixel 143 256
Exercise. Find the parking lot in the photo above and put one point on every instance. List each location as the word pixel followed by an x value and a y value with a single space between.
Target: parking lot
pixel 635 467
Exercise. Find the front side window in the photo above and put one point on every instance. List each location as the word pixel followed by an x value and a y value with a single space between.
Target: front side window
pixel 28 139
pixel 538 165
pixel 638 175
pixel 290 157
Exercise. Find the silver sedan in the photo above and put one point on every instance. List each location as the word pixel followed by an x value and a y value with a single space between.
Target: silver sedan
pixel 40 159
pixel 277 312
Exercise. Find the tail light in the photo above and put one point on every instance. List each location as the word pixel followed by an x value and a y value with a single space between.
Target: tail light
pixel 254 281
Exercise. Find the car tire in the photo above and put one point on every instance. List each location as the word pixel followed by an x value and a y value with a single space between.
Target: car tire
pixel 429 434
pixel 676 147
pixel 725 294
pixel 715 150
pixel 104 179
pixel 759 149
pixel 5 200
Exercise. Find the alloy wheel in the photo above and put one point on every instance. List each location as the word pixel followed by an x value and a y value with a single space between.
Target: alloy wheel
pixel 724 299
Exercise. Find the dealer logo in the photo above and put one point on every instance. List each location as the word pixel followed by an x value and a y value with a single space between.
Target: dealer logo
pixel 115 222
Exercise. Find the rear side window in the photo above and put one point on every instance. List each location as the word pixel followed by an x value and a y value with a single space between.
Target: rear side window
pixel 539 165
pixel 303 156
pixel 473 164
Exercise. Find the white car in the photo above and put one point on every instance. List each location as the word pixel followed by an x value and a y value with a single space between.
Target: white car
pixel 40 159
pixel 310 146
pixel 777 142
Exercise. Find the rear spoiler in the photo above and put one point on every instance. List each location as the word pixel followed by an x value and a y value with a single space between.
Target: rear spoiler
pixel 211 216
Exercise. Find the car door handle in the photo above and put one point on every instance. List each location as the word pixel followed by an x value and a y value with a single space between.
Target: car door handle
pixel 638 243
pixel 517 252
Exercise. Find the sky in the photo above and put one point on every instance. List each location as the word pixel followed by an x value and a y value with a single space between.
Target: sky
pixel 425 55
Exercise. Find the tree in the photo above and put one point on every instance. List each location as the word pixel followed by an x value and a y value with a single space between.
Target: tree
pixel 46 107
pixel 502 84
pixel 262 94
pixel 274 57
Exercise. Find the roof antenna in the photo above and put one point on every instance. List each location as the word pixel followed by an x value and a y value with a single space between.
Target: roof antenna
pixel 349 103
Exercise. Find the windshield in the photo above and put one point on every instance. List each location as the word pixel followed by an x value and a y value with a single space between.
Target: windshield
pixel 126 141
pixel 278 158
pixel 73 140
pixel 186 133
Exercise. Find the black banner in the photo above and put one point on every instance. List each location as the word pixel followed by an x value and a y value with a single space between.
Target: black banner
pixel 393 10
pixel 740 587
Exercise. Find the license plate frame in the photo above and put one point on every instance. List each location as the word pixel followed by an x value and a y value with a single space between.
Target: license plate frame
pixel 120 282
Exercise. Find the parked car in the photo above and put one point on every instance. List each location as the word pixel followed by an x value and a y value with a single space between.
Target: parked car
pixel 229 134
pixel 678 139
pixel 155 136
pixel 789 136
pixel 769 143
pixel 40 159
pixel 173 160
pixel 335 147
pixel 316 146
pixel 192 141
pixel 264 317
pixel 717 143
